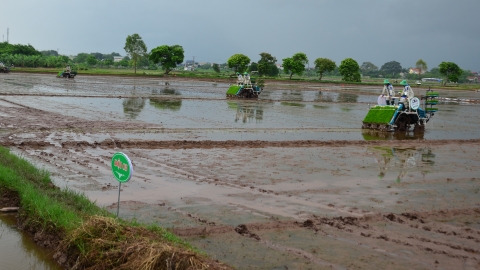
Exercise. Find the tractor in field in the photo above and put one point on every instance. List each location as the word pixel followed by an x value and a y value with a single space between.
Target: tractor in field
pixel 3 68
pixel 245 87
pixel 406 114
pixel 67 73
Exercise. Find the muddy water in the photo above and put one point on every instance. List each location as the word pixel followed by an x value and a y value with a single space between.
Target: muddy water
pixel 372 200
pixel 243 120
pixel 18 251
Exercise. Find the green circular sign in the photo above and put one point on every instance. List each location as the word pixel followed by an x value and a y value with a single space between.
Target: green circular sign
pixel 122 167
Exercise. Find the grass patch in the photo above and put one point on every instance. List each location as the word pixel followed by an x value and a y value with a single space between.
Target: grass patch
pixel 89 236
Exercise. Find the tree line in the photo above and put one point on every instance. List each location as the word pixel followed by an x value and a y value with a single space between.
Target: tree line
pixel 169 57
pixel 348 69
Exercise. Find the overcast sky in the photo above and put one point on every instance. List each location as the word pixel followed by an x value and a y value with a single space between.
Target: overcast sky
pixel 376 31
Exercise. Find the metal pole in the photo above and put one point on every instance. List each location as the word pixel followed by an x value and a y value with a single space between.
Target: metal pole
pixel 118 203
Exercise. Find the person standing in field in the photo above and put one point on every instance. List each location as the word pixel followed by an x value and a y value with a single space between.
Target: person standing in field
pixel 388 92
pixel 407 93
pixel 239 78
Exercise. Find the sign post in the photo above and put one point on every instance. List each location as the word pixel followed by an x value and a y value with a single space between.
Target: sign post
pixel 122 170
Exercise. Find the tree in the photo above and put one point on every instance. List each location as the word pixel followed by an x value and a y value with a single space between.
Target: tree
pixel 216 68
pixel 368 67
pixel 135 48
pixel 168 56
pixel 7 48
pixel 295 64
pixel 98 56
pixel 49 53
pixel 266 63
pixel 91 60
pixel 238 62
pixel 273 71
pixel 350 70
pixel 422 66
pixel 324 65
pixel 451 71
pixel 123 63
pixel 108 62
pixel 253 67
pixel 80 58
pixel 392 67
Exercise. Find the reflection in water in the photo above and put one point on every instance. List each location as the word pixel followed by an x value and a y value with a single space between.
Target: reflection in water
pixel 292 95
pixel 347 97
pixel 166 104
pixel 324 97
pixel 166 91
pixel 246 113
pixel 371 134
pixel 293 104
pixel 320 107
pixel 400 161
pixel 133 106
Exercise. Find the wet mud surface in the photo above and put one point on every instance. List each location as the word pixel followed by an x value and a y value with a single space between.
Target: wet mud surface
pixel 289 181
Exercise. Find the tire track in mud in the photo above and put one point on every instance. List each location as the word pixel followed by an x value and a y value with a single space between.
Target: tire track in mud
pixel 208 144
pixel 421 222
pixel 366 227
pixel 195 177
pixel 184 144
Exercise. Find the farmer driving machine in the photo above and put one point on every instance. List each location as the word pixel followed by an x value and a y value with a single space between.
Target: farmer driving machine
pixel 3 68
pixel 245 87
pixel 403 116
pixel 67 73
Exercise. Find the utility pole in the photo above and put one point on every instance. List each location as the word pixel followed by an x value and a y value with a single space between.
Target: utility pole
pixel 7 34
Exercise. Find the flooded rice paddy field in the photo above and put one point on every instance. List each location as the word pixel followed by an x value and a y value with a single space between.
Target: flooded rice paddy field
pixel 289 181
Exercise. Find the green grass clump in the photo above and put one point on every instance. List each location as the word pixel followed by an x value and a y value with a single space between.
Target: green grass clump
pixel 41 201
pixel 233 90
pixel 380 115
pixel 90 234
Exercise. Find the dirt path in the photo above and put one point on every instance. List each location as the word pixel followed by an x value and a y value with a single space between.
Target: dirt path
pixel 280 203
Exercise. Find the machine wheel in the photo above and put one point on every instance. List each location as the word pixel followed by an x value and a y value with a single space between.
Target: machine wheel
pixel 402 122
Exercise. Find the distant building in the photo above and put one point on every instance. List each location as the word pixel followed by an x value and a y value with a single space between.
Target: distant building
pixel 473 79
pixel 415 71
pixel 190 63
pixel 118 58
pixel 431 80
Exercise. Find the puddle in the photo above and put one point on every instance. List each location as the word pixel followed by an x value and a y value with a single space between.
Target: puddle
pixel 18 251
